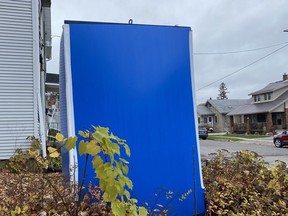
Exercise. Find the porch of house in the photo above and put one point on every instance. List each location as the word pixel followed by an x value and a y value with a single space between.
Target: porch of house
pixel 259 123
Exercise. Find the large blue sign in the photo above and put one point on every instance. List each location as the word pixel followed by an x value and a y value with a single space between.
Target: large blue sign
pixel 138 81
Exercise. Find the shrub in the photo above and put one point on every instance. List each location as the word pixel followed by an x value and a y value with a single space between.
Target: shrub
pixel 243 184
pixel 44 194
pixel 27 190
pixel 110 166
pixel 28 160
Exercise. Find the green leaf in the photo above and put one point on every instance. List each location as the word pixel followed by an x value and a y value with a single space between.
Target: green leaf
pixel 71 142
pixel 53 153
pixel 59 137
pixel 82 147
pixel 127 150
pixel 92 148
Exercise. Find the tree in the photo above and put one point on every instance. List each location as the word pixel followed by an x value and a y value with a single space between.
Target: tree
pixel 222 92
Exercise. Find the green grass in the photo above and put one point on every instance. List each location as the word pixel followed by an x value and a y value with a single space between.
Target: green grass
pixel 234 137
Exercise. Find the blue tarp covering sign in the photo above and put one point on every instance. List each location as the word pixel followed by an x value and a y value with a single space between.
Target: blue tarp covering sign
pixel 138 81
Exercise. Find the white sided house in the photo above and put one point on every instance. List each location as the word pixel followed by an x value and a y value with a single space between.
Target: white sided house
pixel 25 46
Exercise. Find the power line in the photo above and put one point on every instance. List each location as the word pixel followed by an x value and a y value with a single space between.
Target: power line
pixel 239 51
pixel 237 71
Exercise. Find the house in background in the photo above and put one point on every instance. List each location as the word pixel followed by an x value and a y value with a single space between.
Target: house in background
pixel 221 108
pixel 25 46
pixel 266 112
pixel 214 113
pixel 205 116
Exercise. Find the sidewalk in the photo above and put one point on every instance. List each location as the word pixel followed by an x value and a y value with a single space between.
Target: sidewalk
pixel 264 140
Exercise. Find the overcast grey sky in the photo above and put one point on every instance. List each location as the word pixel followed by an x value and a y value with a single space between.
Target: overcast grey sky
pixel 218 26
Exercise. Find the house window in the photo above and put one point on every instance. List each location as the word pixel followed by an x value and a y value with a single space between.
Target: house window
pixel 269 96
pixel 215 118
pixel 210 119
pixel 255 99
pixel 198 120
pixel 261 117
pixel 258 97
pixel 254 118
pixel 205 120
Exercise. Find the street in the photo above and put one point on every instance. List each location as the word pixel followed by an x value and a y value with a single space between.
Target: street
pixel 263 147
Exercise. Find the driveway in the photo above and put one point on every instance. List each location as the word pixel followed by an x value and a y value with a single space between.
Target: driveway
pixel 263 147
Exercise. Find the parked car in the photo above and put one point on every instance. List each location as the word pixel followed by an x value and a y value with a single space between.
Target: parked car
pixel 281 139
pixel 203 133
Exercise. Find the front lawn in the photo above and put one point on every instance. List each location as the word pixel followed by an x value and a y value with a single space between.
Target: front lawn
pixel 235 137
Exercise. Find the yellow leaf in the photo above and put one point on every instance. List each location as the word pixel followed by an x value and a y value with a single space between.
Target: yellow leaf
pixel 125 169
pixel 127 150
pixel 59 137
pixel 26 208
pixel 106 197
pixel 123 160
pixel 129 183
pixel 143 211
pixel 118 208
pixel 32 153
pixel 82 147
pixel 92 148
pixel 53 152
pixel 71 142
pixel 83 134
pixel 97 162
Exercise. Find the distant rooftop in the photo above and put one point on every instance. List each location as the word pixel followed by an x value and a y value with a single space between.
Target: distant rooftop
pixel 227 105
pixel 271 87
pixel 204 111
pixel 259 108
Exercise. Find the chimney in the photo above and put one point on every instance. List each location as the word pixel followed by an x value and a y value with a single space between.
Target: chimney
pixel 285 77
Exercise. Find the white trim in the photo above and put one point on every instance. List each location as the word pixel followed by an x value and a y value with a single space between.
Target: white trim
pixel 276 106
pixel 195 106
pixel 42 125
pixel 73 161
pixel 36 63
pixel 38 107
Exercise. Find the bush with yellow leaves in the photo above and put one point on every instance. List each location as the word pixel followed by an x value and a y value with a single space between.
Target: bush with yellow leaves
pixel 243 184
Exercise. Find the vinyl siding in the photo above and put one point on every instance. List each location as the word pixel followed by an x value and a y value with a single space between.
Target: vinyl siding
pixel 16 76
